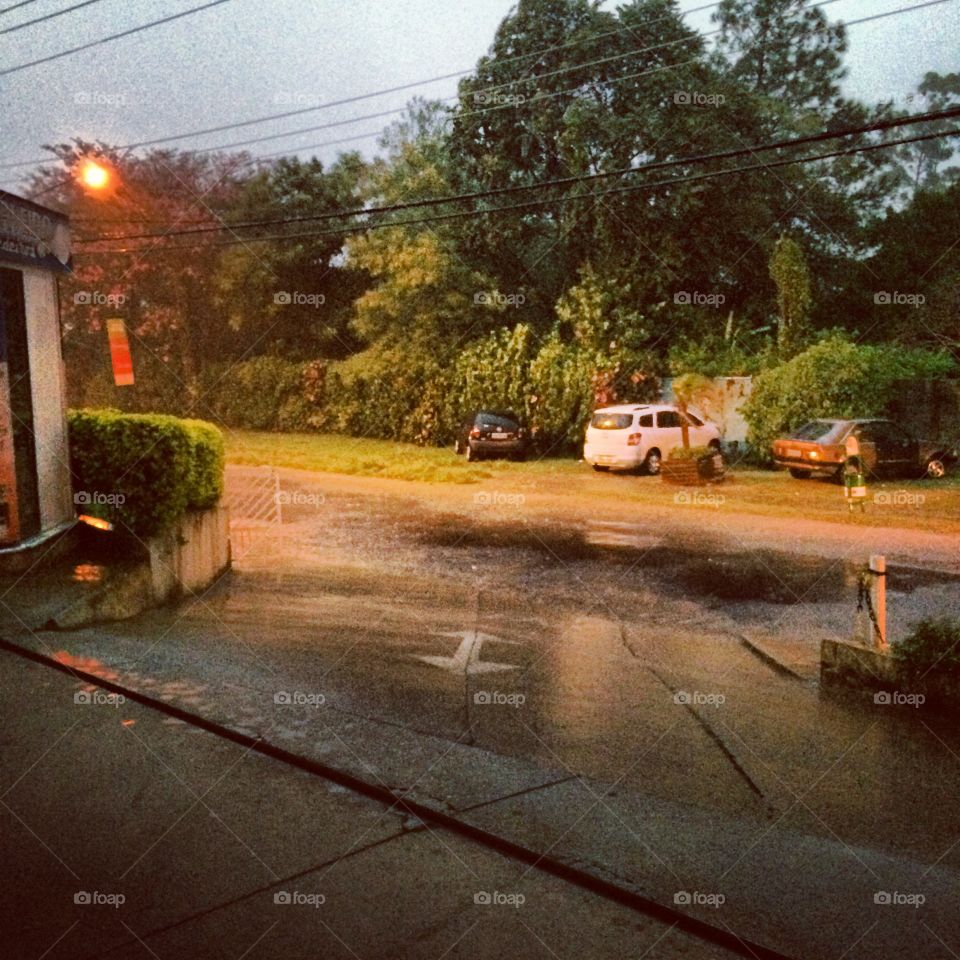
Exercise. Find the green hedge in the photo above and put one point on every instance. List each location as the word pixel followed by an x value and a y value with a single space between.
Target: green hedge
pixel 834 378
pixel 143 471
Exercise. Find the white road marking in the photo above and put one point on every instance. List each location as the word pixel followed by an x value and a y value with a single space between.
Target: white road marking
pixel 467 658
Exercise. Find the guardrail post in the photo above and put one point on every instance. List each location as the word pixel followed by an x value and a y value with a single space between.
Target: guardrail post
pixel 878 597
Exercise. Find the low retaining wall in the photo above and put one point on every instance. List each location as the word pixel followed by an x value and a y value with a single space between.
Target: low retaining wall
pixel 848 664
pixel 192 555
pixel 187 559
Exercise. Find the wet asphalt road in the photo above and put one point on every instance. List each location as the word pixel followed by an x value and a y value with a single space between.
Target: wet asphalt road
pixel 560 652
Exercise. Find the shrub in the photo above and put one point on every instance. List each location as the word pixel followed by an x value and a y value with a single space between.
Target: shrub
pixel 264 393
pixel 208 456
pixel 932 646
pixel 691 453
pixel 142 471
pixel 833 378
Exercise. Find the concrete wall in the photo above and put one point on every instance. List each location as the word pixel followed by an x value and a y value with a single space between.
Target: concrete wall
pixel 48 386
pixel 192 555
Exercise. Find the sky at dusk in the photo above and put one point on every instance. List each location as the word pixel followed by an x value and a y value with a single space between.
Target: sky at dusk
pixel 249 58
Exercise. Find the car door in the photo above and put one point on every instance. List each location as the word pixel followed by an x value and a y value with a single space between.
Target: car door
pixel 668 431
pixel 898 451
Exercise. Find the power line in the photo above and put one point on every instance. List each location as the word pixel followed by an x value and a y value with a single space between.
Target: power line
pixel 16 6
pixel 48 16
pixel 537 98
pixel 375 93
pixel 546 96
pixel 114 36
pixel 877 126
pixel 593 195
pixel 447 76
pixel 386 113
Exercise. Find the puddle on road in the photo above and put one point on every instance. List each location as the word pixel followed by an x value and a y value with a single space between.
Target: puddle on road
pixel 702 566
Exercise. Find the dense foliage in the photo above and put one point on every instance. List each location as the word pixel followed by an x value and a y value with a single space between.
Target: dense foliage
pixel 394 325
pixel 142 471
pixel 834 378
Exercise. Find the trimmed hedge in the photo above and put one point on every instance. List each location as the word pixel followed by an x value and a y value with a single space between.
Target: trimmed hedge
pixel 143 471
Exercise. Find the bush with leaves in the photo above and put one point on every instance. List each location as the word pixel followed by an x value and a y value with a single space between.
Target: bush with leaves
pixel 933 646
pixel 264 393
pixel 833 378
pixel 142 471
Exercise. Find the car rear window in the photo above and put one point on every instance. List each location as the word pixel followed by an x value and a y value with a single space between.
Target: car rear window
pixel 611 421
pixel 815 430
pixel 497 422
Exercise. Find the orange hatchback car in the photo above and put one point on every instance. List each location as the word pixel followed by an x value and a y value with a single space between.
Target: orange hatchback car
pixel 886 448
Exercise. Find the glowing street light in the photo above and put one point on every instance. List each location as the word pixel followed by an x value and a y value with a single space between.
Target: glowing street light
pixel 93 175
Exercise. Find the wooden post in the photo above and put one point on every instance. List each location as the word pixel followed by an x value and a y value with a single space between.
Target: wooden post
pixel 878 596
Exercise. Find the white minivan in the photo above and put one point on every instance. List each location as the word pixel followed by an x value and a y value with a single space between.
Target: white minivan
pixel 631 436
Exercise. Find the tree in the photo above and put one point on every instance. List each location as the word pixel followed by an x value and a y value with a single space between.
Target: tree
pixel 293 297
pixel 788 268
pixel 924 163
pixel 690 389
pixel 161 285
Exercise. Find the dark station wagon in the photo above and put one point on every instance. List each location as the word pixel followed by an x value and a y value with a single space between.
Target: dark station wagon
pixel 492 433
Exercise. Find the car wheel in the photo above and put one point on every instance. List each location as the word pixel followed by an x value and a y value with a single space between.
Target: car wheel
pixel 600 469
pixel 799 474
pixel 652 463
pixel 936 469
pixel 472 455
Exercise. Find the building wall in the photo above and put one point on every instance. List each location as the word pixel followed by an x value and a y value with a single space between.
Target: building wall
pixel 48 383
pixel 722 407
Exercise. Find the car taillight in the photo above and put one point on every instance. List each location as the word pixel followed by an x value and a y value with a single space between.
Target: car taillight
pixel 475 432
pixel 633 440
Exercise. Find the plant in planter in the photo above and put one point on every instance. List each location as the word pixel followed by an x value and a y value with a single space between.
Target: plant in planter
pixel 689 466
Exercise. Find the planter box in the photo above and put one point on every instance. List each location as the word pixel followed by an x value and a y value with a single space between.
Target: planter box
pixel 847 664
pixel 693 473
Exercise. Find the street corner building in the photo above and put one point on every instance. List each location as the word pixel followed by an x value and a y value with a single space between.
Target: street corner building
pixel 36 505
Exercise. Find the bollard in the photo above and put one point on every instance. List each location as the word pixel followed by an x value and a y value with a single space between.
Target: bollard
pixel 878 598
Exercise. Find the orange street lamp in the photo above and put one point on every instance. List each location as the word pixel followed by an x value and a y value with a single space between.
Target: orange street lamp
pixel 94 176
